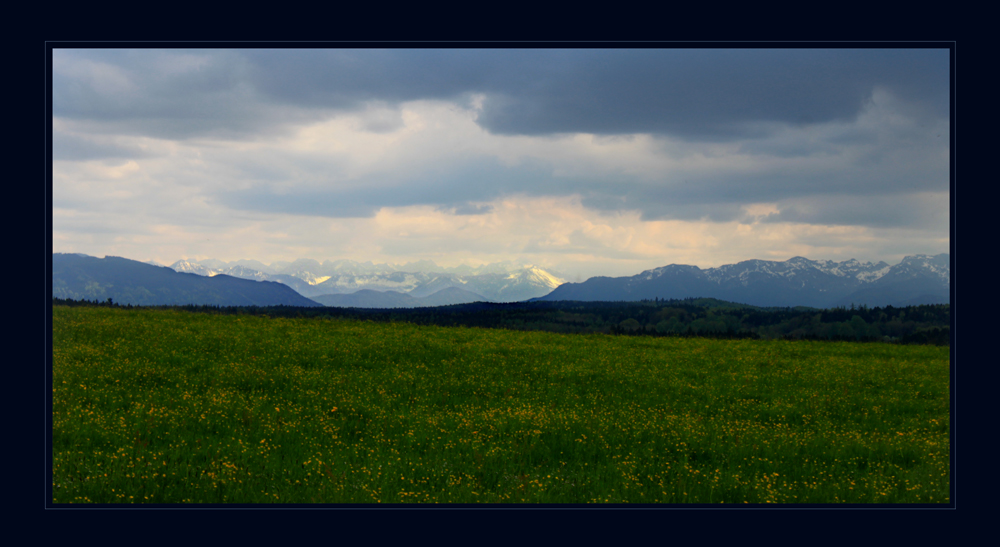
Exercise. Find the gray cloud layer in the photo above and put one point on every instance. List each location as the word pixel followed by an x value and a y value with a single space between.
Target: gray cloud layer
pixel 695 93
pixel 813 129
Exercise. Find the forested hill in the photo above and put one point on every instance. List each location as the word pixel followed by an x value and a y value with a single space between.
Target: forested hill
pixel 689 317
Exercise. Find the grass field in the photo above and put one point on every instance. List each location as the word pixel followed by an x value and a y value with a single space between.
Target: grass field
pixel 163 406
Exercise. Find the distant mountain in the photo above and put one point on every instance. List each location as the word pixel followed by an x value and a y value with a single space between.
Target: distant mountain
pixel 513 286
pixel 342 267
pixel 919 279
pixel 367 298
pixel 499 282
pixel 450 296
pixel 131 282
pixel 187 266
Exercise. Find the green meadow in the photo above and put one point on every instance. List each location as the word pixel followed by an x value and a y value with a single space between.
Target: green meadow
pixel 166 406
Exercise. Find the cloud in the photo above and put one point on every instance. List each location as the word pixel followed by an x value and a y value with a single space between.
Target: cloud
pixel 68 146
pixel 630 157
pixel 921 210
pixel 706 94
pixel 438 156
pixel 559 233
pixel 701 94
pixel 174 94
pixel 469 209
pixel 451 186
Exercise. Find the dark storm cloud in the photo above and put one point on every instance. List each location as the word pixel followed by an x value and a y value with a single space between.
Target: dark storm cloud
pixel 163 93
pixel 713 94
pixel 347 79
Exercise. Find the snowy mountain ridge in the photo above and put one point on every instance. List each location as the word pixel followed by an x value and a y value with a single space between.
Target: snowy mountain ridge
pixel 797 281
pixel 502 281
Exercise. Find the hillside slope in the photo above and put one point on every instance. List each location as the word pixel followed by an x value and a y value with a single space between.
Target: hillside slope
pixel 131 282
pixel 918 279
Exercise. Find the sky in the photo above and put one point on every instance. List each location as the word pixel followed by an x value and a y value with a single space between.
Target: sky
pixel 586 162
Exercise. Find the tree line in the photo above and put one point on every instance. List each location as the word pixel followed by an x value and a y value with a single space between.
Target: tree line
pixel 705 317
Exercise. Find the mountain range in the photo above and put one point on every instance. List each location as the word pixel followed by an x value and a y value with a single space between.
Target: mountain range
pixel 918 279
pixel 82 277
pixel 367 298
pixel 498 282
